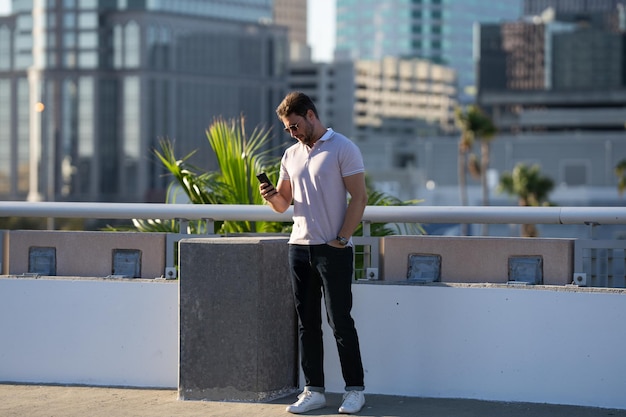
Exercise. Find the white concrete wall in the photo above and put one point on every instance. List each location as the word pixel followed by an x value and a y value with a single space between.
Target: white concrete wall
pixel 89 331
pixel 558 345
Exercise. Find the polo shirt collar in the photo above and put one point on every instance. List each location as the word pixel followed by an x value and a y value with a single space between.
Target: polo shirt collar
pixel 327 135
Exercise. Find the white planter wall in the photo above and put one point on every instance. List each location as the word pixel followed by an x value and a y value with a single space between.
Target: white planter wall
pixel 554 345
pixel 89 331
pixel 557 345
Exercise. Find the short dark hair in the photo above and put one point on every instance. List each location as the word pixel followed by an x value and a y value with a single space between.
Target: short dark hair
pixel 296 102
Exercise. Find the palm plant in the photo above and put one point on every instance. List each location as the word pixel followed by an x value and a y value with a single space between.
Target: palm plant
pixel 531 189
pixel 239 158
pixel 474 125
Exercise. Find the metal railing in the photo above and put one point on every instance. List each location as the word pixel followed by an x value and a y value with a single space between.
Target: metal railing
pixel 588 260
pixel 373 214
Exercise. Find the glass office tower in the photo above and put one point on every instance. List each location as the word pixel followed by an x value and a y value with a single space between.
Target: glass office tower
pixel 89 87
pixel 439 30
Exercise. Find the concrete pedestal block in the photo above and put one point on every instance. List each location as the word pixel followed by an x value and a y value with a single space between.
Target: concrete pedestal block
pixel 238 337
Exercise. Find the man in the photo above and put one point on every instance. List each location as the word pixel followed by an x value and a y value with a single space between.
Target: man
pixel 317 173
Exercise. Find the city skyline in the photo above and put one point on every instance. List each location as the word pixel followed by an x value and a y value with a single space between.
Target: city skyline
pixel 321 27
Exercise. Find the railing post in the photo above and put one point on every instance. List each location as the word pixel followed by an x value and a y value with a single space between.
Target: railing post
pixel 592 229
pixel 366 228
pixel 210 226
pixel 171 242
pixel 183 226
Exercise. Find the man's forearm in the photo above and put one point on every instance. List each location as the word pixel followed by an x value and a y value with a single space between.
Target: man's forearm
pixel 354 215
pixel 278 203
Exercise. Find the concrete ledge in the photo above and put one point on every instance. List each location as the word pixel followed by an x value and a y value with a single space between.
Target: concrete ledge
pixel 478 259
pixel 84 254
pixel 89 331
pixel 237 320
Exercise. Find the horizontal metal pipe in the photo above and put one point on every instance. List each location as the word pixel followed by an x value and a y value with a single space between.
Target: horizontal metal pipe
pixel 373 214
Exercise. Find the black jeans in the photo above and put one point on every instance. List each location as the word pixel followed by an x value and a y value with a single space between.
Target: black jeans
pixel 324 269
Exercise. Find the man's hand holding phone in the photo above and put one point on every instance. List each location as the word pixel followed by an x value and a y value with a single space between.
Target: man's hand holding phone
pixel 266 187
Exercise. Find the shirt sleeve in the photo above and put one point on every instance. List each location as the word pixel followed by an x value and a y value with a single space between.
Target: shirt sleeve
pixel 350 159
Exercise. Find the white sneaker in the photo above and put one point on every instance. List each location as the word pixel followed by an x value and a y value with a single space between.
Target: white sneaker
pixel 307 401
pixel 353 401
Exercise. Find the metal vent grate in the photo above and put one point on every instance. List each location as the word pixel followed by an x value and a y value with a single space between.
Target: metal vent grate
pixel 424 268
pixel 42 260
pixel 602 261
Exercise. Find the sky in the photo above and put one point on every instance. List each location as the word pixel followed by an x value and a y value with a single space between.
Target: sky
pixel 321 27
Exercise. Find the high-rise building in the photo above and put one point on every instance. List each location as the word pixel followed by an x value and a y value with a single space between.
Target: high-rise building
pixel 566 45
pixel 560 70
pixel 89 87
pixel 293 15
pixel 512 56
pixel 439 30
pixel 403 98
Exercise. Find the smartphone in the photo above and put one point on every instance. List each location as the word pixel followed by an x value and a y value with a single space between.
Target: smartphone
pixel 263 178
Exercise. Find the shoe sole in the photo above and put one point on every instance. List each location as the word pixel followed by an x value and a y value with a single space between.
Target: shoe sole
pixel 350 412
pixel 317 407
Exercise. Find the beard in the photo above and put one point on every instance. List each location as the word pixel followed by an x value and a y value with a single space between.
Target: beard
pixel 307 137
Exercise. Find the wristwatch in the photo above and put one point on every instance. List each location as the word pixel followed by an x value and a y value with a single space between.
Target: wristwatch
pixel 342 240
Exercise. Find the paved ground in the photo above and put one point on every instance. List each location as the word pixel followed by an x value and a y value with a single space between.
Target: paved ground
pixel 60 401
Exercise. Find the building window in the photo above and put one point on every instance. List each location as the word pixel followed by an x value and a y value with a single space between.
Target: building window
pixel 69 40
pixel 131 45
pixel 69 59
pixel 132 133
pixel 88 4
pixel 23 135
pixel 575 174
pixel 88 40
pixel 108 144
pixel 5 48
pixel 5 136
pixel 118 36
pixel 51 20
pixel 69 20
pixel 88 20
pixel 403 160
pixel 86 138
pixel 88 59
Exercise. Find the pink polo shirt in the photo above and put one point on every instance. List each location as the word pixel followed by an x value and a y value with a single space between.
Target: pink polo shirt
pixel 320 197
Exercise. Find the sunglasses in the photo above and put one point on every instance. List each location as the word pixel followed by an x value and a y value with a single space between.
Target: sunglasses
pixel 292 128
